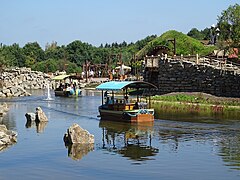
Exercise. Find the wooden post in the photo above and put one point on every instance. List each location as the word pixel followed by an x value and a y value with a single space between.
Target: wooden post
pixel 86 70
pixel 102 98
pixel 174 45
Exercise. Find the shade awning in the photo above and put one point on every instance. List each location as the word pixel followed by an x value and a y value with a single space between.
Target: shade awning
pixel 60 77
pixel 119 85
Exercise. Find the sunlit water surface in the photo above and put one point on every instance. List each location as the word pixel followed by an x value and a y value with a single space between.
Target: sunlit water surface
pixel 167 149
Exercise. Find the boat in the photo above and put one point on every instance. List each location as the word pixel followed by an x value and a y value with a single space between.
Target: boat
pixel 119 105
pixel 67 86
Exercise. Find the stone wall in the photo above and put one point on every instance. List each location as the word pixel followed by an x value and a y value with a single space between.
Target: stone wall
pixel 15 82
pixel 185 76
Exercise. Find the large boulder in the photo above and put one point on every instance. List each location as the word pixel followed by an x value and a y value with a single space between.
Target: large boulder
pixel 7 137
pixel 76 134
pixel 40 115
pixel 30 116
pixel 38 119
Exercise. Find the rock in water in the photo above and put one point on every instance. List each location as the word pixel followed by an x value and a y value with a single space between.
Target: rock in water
pixel 30 116
pixel 40 115
pixel 76 134
pixel 7 137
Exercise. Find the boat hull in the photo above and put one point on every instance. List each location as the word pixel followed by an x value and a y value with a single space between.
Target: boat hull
pixel 66 94
pixel 127 116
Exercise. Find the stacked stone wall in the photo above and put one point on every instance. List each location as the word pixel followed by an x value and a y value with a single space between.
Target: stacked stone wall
pixel 15 81
pixel 184 76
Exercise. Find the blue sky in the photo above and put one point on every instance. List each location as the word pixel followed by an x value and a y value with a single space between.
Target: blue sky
pixel 102 21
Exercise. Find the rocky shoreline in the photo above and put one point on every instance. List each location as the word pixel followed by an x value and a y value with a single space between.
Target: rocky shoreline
pixel 7 137
pixel 15 82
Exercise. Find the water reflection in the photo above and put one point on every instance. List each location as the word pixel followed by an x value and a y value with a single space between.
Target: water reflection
pixel 77 151
pixel 9 119
pixel 230 150
pixel 129 140
pixel 5 147
pixel 223 136
pixel 40 126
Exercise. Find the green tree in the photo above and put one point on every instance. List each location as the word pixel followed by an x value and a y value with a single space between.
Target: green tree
pixel 54 52
pixel 229 24
pixel 8 57
pixel 195 33
pixel 30 60
pixel 17 57
pixel 78 52
pixel 200 35
pixel 33 53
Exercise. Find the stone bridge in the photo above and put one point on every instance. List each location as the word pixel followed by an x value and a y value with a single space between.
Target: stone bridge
pixel 214 76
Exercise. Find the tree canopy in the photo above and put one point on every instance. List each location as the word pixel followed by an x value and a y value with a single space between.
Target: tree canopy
pixel 229 24
pixel 71 57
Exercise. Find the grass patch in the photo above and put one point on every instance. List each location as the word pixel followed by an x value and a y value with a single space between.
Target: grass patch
pixel 199 104
pixel 198 98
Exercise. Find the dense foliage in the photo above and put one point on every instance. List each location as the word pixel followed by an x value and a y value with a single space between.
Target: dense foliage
pixel 73 56
pixel 184 44
pixel 200 35
pixel 69 58
pixel 229 24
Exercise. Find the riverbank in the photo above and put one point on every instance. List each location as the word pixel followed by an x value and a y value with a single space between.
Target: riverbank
pixel 197 103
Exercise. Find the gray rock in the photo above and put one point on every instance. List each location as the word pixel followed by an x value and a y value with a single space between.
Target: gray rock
pixel 5 91
pixel 2 95
pixel 14 78
pixel 17 94
pixel 7 137
pixel 9 94
pixel 14 90
pixel 76 134
pixel 3 128
pixel 40 115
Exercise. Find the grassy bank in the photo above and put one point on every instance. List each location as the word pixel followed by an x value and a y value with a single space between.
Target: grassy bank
pixel 197 104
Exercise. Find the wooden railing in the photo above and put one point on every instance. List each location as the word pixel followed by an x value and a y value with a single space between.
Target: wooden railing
pixel 219 63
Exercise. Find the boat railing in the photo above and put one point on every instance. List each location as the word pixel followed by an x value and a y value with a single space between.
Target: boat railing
pixel 142 105
pixel 127 106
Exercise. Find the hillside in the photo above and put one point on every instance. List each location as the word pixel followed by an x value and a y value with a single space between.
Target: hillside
pixel 184 44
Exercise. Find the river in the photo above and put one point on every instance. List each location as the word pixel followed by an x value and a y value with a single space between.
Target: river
pixel 170 148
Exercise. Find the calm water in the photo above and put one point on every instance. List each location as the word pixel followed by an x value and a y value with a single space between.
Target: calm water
pixel 168 149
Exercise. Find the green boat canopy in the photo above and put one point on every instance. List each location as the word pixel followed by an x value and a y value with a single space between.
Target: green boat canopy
pixel 119 85
pixel 60 77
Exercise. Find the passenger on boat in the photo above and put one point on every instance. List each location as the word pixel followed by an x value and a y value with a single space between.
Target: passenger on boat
pixel 126 99
pixel 107 101
pixel 105 94
pixel 68 88
pixel 111 101
pixel 136 106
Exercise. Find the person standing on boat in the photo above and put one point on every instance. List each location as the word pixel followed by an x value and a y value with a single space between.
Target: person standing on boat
pixel 126 99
